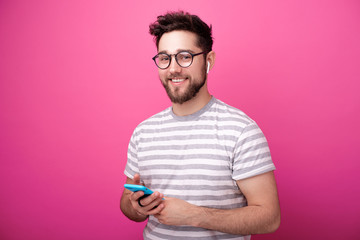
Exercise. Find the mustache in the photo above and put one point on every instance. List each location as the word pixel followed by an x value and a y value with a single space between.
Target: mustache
pixel 177 76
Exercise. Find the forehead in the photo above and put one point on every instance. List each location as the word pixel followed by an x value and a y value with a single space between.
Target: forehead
pixel 173 41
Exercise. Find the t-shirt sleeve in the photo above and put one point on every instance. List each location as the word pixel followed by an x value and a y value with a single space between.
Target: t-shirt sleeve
pixel 132 161
pixel 252 154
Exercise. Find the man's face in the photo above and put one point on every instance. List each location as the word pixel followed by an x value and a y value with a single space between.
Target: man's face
pixel 182 84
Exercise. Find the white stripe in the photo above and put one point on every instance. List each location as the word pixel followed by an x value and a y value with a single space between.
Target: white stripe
pixel 195 193
pixel 194 132
pixel 180 172
pixel 254 152
pixel 219 203
pixel 205 123
pixel 175 142
pixel 249 144
pixel 183 162
pixel 182 152
pixel 197 182
pixel 254 172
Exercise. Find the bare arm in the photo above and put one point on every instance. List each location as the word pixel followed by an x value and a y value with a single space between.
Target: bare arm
pixel 129 202
pixel 262 215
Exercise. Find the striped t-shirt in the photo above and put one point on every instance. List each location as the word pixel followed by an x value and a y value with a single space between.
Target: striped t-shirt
pixel 197 158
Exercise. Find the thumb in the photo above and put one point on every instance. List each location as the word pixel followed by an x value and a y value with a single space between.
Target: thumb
pixel 137 179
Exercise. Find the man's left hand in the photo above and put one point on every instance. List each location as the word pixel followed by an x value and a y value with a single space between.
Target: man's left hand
pixel 176 212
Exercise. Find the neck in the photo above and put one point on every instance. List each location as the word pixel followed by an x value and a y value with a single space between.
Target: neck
pixel 193 105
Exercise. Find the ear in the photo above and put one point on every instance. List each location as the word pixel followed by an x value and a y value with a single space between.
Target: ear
pixel 210 58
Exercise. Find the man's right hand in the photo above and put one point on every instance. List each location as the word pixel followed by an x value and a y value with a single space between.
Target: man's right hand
pixel 151 205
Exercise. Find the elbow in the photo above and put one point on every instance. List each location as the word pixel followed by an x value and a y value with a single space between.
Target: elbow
pixel 275 224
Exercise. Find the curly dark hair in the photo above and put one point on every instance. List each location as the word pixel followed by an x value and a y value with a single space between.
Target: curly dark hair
pixel 181 20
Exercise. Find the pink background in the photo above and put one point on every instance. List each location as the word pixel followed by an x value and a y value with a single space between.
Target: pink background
pixel 76 77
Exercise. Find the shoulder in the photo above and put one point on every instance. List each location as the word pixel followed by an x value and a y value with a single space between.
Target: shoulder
pixel 229 113
pixel 155 120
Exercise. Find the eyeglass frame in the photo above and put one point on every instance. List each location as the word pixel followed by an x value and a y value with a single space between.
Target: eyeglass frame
pixel 175 55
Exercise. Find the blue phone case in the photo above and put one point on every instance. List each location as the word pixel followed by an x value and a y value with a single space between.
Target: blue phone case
pixel 136 188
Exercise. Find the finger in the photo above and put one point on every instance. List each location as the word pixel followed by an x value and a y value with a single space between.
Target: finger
pixel 155 197
pixel 156 211
pixel 150 202
pixel 152 207
pixel 136 179
pixel 155 205
pixel 136 195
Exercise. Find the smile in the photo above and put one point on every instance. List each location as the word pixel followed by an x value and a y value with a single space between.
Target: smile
pixel 177 80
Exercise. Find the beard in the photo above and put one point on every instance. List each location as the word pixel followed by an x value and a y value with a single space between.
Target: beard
pixel 191 91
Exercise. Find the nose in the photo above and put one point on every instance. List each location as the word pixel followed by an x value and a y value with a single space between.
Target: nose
pixel 174 66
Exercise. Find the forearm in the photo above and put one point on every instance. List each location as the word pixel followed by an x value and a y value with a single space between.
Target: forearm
pixel 243 221
pixel 129 211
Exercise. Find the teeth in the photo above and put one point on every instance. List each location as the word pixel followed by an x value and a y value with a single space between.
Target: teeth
pixel 177 80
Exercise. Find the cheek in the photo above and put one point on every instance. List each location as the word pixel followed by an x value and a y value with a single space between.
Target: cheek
pixel 199 74
pixel 198 70
pixel 162 74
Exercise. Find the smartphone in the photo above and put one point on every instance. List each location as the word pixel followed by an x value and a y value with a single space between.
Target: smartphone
pixel 136 188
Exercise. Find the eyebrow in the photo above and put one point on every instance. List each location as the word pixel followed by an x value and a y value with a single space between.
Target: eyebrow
pixel 178 50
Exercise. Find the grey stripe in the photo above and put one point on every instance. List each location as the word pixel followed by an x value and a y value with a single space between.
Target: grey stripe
pixel 250 138
pixel 255 147
pixel 155 121
pixel 194 187
pixel 178 228
pixel 230 206
pixel 256 157
pixel 190 137
pixel 248 169
pixel 250 127
pixel 182 147
pixel 230 111
pixel 188 166
pixel 207 197
pixel 186 176
pixel 211 126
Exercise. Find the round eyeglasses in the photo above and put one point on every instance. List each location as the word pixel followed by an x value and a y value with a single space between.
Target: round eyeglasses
pixel 184 59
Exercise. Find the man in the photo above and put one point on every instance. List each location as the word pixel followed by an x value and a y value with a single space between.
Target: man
pixel 208 163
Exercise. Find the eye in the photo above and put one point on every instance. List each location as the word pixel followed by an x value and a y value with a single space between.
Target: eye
pixel 163 58
pixel 185 56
